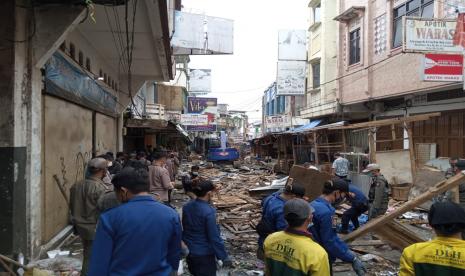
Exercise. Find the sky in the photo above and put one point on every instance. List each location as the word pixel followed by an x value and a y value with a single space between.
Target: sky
pixel 239 80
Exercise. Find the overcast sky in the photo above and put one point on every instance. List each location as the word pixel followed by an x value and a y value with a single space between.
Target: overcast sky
pixel 240 79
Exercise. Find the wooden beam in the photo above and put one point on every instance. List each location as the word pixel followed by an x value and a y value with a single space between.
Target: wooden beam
pixel 397 235
pixel 411 148
pixel 392 121
pixel 439 188
pixel 393 132
pixel 372 145
pixel 317 159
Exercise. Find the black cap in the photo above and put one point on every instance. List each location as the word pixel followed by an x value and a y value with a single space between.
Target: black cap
pixel 460 164
pixel 204 186
pixel 442 213
pixel 340 184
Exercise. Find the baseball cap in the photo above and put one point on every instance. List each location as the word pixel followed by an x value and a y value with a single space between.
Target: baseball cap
pixel 98 163
pixel 297 209
pixel 442 213
pixel 336 184
pixel 371 167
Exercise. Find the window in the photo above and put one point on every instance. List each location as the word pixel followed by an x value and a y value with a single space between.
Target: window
pixel 420 8
pixel 88 64
pixel 354 46
pixel 63 46
pixel 316 75
pixel 105 77
pixel 317 14
pixel 72 51
pixel 81 58
pixel 100 73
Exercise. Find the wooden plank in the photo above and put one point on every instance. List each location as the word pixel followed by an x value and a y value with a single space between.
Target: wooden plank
pixel 398 235
pixel 391 121
pixel 312 180
pixel 393 132
pixel 367 243
pixel 376 223
pixel 315 143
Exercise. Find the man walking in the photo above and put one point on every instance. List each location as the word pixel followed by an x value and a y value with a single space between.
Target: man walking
pixel 293 251
pixel 159 177
pixel 444 254
pixel 379 191
pixel 139 237
pixel 340 166
pixel 84 197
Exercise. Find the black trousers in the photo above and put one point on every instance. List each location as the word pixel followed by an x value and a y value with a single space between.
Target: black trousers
pixel 202 265
pixel 352 215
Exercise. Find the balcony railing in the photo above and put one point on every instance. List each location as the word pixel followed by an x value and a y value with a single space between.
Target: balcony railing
pixel 155 111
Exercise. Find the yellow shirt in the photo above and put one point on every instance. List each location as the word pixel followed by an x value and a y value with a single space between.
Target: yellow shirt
pixel 441 256
pixel 294 255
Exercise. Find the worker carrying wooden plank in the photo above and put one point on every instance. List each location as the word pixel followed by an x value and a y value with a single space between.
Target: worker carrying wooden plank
pixel 444 254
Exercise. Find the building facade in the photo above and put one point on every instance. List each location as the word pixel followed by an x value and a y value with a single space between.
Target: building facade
pixel 64 89
pixel 376 79
pixel 321 93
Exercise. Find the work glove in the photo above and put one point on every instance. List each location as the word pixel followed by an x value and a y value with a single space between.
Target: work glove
pixel 358 267
pixel 228 262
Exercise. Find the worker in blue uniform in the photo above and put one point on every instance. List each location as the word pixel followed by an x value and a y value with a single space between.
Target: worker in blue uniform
pixel 273 212
pixel 139 237
pixel 358 205
pixel 323 227
pixel 201 233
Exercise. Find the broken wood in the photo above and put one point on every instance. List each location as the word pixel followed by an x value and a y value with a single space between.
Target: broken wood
pixel 397 235
pixel 376 223
pixel 384 122
pixel 367 243
pixel 7 268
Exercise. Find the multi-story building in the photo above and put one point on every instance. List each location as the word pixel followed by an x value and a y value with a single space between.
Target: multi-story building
pixel 66 80
pixel 321 94
pixel 377 79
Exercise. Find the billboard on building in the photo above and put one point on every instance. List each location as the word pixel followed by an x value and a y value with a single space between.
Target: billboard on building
pixel 278 121
pixel 222 108
pixel 443 67
pixel 204 106
pixel 429 35
pixel 173 116
pixel 200 81
pixel 194 119
pixel 291 77
pixel 198 34
pixel 292 45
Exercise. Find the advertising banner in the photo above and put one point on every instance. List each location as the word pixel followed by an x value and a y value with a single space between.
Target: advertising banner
pixel 292 45
pixel 173 116
pixel 204 106
pixel 277 121
pixel 200 81
pixel 291 77
pixel 198 34
pixel 443 67
pixel 429 35
pixel 194 119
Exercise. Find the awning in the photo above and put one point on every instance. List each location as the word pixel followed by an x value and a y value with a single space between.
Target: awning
pixel 306 127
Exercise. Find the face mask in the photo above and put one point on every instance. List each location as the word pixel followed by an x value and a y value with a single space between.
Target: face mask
pixel 110 164
pixel 195 174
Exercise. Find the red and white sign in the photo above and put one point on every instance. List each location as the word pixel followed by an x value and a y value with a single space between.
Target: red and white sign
pixel 443 67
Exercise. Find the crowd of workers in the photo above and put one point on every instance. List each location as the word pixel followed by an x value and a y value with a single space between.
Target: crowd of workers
pixel 123 214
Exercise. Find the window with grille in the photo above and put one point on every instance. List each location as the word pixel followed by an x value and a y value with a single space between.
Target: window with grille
pixel 418 8
pixel 81 58
pixel 316 75
pixel 72 51
pixel 354 46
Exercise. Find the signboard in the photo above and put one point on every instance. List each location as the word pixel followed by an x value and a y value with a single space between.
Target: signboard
pixel 292 45
pixel 278 121
pixel 291 77
pixel 443 67
pixel 429 35
pixel 200 81
pixel 194 119
pixel 173 116
pixel 198 34
pixel 205 106
pixel 222 108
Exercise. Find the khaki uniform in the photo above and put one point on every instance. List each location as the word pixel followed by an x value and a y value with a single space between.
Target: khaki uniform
pixel 84 197
pixel 160 182
pixel 378 196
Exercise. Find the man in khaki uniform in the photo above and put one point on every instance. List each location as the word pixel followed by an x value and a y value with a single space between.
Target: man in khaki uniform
pixel 159 177
pixel 379 191
pixel 84 197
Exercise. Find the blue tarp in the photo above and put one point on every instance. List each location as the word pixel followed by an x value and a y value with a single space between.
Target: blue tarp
pixel 66 80
pixel 306 127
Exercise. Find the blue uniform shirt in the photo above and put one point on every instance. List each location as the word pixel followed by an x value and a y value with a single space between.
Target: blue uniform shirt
pixel 273 213
pixel 140 237
pixel 359 197
pixel 201 233
pixel 325 234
